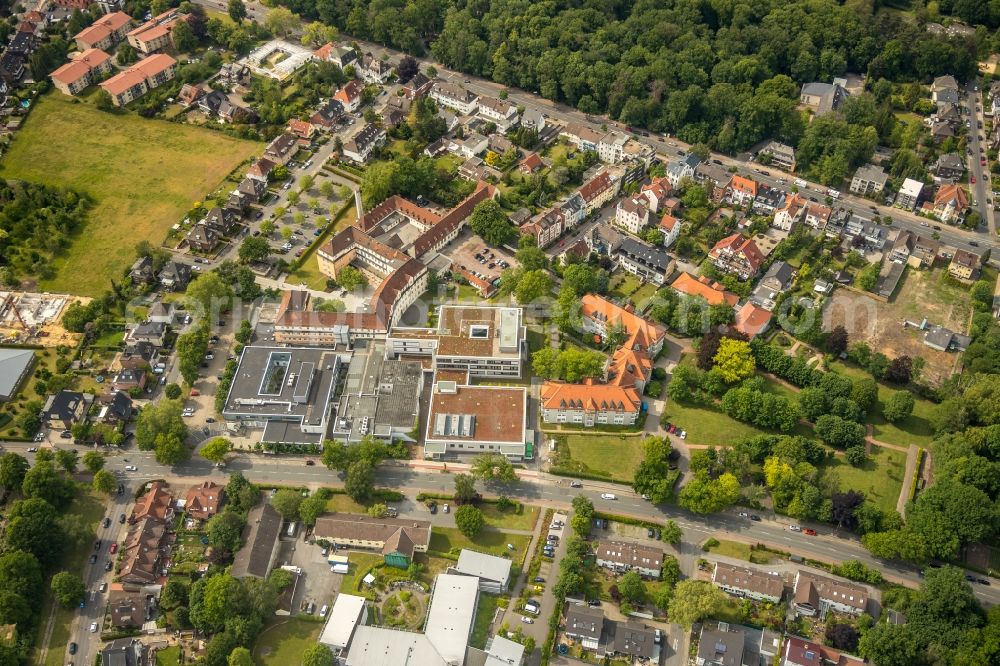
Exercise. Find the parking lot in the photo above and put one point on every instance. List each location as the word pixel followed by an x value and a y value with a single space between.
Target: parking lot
pixel 490 262
pixel 317 585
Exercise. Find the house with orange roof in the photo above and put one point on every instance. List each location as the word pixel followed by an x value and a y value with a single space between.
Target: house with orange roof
pixel 950 203
pixel 156 33
pixel 752 320
pixel 790 214
pixel 589 403
pixel 818 216
pixel 598 191
pixel 713 292
pixel 157 503
pixel 302 129
pixel 350 95
pixel 105 32
pixel 202 501
pixel 742 190
pixel 599 314
pixel 530 164
pixel 670 227
pixel 134 82
pixel 657 192
pixel 737 255
pixel 83 69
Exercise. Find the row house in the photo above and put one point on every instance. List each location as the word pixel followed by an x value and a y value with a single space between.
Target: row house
pixel 455 97
pixel 737 255
pixel 83 70
pixel 632 214
pixel 748 583
pixel 742 190
pixel 545 228
pixel 105 33
pixel 817 595
pixel 499 112
pixel 598 191
pixel 622 556
pixel 140 78
pixel 712 292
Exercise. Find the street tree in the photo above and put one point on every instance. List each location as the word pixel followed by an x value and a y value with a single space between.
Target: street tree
pixel 68 589
pixel 469 520
pixel 311 509
pixel 216 449
pixel 237 11
pixel 493 467
pixel 281 21
pixel 93 461
pixel 652 477
pixel 68 459
pixel 465 488
pixel 159 418
pixel 360 482
pixel 170 449
pixel 105 482
pixel 287 502
pixel 254 248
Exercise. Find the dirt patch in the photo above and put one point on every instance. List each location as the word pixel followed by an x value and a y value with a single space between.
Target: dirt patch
pixel 36 318
pixel 927 294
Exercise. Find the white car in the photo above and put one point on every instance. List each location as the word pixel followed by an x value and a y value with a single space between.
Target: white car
pixel 608 496
pixel 131 468
pixel 93 627
pixel 795 528
pixel 527 620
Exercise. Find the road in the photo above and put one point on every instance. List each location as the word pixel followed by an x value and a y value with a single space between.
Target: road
pixel 981 190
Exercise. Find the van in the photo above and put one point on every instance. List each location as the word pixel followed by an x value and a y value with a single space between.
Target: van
pixel 801 183
pixel 833 194
pixel 310 608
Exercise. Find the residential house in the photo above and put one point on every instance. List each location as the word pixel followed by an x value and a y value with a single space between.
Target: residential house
pixel 574 210
pixel 282 148
pixel 611 147
pixel 128 609
pixel 500 144
pixel 778 154
pixel 140 78
pixel 604 239
pixel 499 112
pixel 397 539
pixel 650 264
pixel 116 408
pixel 175 275
pixel 909 193
pixel 418 86
pixel 949 166
pixel 372 70
pixel 221 220
pixel 24 43
pixel 493 572
pixel 213 103
pixel 822 97
pixel 83 69
pixel 581 136
pixel 11 68
pixel 545 227
pixel 767 201
pixel 965 265
pixel 680 168
pixel 777 279
pixel 249 191
pixel 303 130
pixel 714 178
pixel 261 170
pixel 190 94
pixel 104 33
pixel 632 214
pixel 598 191
pixel 742 190
pixel 260 543
pixel 124 651
pixel 749 583
pixel 670 227
pixel 65 409
pixel 455 97
pixel 128 379
pixel 712 292
pixel 148 331
pixel 534 120
pixel 156 503
pixel 202 238
pixel 800 652
pixel 341 56
pixel 155 34
pixel 818 215
pixel 359 148
pixel 717 647
pixel 530 164
pixel 888 279
pixel 621 556
pixel 869 180
pixel 585 624
pixel 137 356
pixel 657 192
pixel 141 556
pixel 737 255
pixel 328 114
pixel 790 214
pixel 471 145
pixel 752 320
pixel 202 501
pixel 950 203
pixel 350 95
pixel 944 339
pixel 941 130
pixel 944 89
pixel 817 595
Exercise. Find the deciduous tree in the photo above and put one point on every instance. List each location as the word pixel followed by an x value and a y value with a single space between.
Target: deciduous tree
pixel 469 520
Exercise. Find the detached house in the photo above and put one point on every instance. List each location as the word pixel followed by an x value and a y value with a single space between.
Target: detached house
pixel 203 501
pixel 742 190
pixel 66 408
pixel 964 265
pixel 779 154
pixel 822 97
pixel 632 214
pixel 713 292
pixel 949 166
pixel 681 168
pixel 373 70
pixel 341 56
pixel 950 203
pixel 360 147
pixel 328 114
pixel 791 214
pixel 657 193
pixel 738 256
pixel 350 96
pixel 202 238
pixel 175 275
pixel 502 113
pixel 670 227
pixel 282 148
pixel 418 86
pixel 650 264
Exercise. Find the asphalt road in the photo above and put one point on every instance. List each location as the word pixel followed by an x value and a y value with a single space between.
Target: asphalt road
pixel 982 189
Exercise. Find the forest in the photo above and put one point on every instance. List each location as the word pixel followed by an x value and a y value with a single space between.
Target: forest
pixel 721 72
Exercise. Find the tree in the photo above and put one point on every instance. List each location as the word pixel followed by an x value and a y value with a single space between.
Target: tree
pixel 734 361
pixel 836 341
pixel 93 461
pixel 532 286
pixel 493 467
pixel 34 528
pixel 43 482
pixel 103 101
pixel 843 637
pixel 898 407
pixel 839 432
pixel 287 502
pixel 491 224
pixel 317 34
pixel 105 482
pixel 207 295
pixel 672 532
pixel 890 645
pixel 215 449
pixel 225 530
pixel 163 417
pixel 281 21
pixel 652 476
pixel 631 588
pixel 14 609
pixel 254 248
pixel 237 11
pixel 241 656
pixel 68 589
pixel 183 37
pixel 13 467
pixel 170 449
pixel 900 370
pixel 241 495
pixel 694 600
pixel 350 278
pixel 856 455
pixel 317 655
pixel 67 459
pixel 407 68
pixel 705 495
pixel 867 277
pixel 174 595
pixel 465 488
pixel 360 480
pixel 469 520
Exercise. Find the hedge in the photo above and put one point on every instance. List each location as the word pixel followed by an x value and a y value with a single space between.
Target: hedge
pixel 563 471
pixel 916 475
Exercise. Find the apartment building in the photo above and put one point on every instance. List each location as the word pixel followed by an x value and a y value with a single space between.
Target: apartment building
pixel 83 70
pixel 140 78
pixel 632 214
pixel 869 180
pixel 104 33
pixel 155 34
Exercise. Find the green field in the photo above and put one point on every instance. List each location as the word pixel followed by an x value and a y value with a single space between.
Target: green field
pixel 88 509
pixel 283 642
pixel 484 615
pixel 508 519
pixel 614 455
pixel 708 425
pixel 144 175
pixel 880 478
pixel 443 539
pixel 308 273
pixel 740 551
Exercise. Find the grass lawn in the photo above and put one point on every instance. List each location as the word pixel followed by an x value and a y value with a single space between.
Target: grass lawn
pixel 284 641
pixel 708 425
pixel 89 508
pixel 170 656
pixel 643 294
pixel 740 551
pixel 443 539
pixel 614 455
pixel 508 519
pixel 308 272
pixel 484 616
pixel 45 359
pixel 358 564
pixel 144 175
pixel 880 478
pixel 624 285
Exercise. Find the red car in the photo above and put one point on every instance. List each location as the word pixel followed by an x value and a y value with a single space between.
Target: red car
pixel 982 162
pixel 809 531
pixel 972 180
pixel 113 549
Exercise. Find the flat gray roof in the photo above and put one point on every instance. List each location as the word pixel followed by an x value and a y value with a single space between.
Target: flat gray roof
pixel 14 363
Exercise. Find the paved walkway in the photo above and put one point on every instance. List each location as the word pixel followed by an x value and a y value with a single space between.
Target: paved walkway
pixel 911 469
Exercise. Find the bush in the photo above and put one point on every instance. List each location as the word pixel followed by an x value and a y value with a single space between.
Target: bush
pixel 711 543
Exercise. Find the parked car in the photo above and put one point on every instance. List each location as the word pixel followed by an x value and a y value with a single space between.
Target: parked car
pixel 121 519
pixel 608 496
pixel 310 462
pixel 113 549
pixel 527 620
pixel 93 559
pixel 446 508
pixel 72 648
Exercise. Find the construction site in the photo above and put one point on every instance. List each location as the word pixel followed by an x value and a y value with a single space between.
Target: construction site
pixel 33 318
